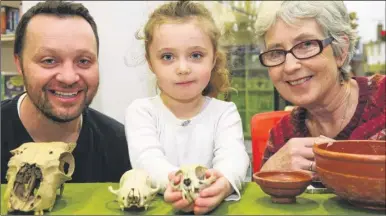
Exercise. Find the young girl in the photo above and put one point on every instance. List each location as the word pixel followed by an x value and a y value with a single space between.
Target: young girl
pixel 184 124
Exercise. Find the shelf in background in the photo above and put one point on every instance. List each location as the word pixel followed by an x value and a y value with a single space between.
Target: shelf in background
pixel 14 4
pixel 9 73
pixel 7 37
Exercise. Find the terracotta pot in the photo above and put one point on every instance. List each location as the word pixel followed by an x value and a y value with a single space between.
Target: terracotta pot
pixel 354 170
pixel 282 186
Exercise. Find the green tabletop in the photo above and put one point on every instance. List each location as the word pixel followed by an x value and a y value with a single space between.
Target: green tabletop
pixel 95 199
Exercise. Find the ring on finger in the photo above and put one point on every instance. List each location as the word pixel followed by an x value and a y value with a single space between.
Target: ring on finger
pixel 311 166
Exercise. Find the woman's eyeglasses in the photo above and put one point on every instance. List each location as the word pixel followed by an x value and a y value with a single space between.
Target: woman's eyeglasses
pixel 303 50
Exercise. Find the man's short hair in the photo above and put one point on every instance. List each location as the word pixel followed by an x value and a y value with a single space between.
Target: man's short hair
pixel 51 7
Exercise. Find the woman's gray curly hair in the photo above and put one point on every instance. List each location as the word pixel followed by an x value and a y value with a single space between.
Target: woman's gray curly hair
pixel 332 16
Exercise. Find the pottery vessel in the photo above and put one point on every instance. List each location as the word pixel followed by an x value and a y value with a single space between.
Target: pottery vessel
pixel 282 186
pixel 354 170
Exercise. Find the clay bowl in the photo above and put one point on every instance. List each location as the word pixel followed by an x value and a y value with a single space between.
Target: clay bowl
pixel 354 170
pixel 282 186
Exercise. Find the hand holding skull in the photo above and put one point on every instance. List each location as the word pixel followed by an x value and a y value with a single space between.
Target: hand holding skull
pixel 196 188
pixel 174 196
pixel 213 195
pixel 187 183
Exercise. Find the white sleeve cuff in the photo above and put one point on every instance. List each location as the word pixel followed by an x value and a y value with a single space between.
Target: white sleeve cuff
pixel 235 196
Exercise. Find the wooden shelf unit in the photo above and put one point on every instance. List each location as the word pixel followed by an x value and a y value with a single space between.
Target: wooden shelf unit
pixel 8 67
pixel 7 37
pixel 14 4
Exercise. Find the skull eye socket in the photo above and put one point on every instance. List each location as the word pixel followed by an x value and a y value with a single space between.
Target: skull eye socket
pixel 65 168
pixel 50 152
pixel 144 197
pixel 66 163
pixel 200 172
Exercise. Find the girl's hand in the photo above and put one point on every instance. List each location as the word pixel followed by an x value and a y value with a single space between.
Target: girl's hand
pixel 175 197
pixel 213 195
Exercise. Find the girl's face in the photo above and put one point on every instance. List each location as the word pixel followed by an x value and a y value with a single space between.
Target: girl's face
pixel 181 55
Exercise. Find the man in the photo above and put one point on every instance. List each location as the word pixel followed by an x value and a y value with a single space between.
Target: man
pixel 56 52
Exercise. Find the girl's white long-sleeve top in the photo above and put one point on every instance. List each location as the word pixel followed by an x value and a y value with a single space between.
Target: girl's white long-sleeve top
pixel 160 143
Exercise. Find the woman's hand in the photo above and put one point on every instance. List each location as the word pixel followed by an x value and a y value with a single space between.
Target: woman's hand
pixel 175 197
pixel 213 195
pixel 296 154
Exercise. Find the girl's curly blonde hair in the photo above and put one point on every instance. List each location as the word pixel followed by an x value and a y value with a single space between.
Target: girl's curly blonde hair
pixel 183 11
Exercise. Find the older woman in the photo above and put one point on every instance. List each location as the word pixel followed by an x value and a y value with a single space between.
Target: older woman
pixel 307 47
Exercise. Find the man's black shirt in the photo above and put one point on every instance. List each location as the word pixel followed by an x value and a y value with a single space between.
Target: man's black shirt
pixel 101 153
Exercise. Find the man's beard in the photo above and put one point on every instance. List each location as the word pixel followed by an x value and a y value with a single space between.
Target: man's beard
pixel 45 107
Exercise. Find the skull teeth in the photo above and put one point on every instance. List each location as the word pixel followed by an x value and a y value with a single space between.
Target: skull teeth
pixel 27 182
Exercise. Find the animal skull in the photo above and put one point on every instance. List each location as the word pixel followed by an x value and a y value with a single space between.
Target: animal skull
pixel 135 189
pixel 35 172
pixel 193 180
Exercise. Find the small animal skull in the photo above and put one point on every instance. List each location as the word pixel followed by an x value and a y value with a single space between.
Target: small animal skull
pixel 35 172
pixel 193 180
pixel 135 189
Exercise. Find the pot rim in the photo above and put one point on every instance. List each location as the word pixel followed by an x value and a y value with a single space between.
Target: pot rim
pixel 256 176
pixel 349 156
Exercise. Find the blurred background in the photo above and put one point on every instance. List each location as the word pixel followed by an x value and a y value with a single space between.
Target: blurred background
pixel 125 75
